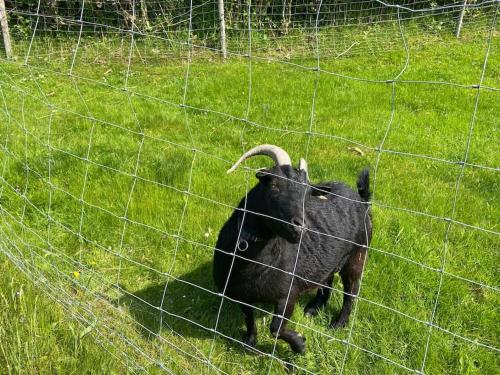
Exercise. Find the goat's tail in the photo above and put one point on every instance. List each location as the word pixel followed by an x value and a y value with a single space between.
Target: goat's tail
pixel 364 184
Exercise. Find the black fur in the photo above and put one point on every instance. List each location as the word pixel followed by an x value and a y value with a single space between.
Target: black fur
pixel 331 208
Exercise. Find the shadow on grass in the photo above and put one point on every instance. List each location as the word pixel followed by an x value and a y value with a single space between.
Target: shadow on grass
pixel 187 310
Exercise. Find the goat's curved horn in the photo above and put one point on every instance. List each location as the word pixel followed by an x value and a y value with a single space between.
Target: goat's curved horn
pixel 303 165
pixel 279 155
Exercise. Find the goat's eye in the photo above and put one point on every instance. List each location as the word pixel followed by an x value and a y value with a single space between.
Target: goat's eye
pixel 274 186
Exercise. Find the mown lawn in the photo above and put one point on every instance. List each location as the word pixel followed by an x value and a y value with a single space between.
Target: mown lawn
pixel 111 201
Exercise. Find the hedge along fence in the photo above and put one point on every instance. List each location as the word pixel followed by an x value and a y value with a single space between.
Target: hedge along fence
pixel 277 17
pixel 286 27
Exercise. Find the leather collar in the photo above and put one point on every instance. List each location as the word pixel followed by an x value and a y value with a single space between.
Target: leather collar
pixel 245 235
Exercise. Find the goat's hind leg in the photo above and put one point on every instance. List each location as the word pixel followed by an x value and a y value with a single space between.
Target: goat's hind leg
pixel 319 302
pixel 278 327
pixel 250 337
pixel 350 274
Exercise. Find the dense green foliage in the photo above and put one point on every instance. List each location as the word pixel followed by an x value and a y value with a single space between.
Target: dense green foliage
pixel 275 16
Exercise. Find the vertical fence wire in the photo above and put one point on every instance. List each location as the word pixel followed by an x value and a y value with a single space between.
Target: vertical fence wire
pixel 17 241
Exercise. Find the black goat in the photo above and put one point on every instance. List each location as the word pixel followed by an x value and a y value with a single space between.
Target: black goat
pixel 269 228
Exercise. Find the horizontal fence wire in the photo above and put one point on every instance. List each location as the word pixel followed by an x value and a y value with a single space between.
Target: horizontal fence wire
pixel 194 27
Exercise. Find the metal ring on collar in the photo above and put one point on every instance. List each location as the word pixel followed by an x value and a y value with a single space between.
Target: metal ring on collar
pixel 245 245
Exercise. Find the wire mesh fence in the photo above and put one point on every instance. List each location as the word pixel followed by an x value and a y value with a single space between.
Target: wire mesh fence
pixel 119 120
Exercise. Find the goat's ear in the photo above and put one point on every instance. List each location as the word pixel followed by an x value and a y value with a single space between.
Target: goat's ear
pixel 318 190
pixel 263 175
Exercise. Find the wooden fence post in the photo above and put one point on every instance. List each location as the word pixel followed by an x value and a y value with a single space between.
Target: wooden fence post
pixel 5 30
pixel 222 23
pixel 144 14
pixel 461 19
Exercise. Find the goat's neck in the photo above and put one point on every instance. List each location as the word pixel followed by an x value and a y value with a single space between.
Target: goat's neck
pixel 254 223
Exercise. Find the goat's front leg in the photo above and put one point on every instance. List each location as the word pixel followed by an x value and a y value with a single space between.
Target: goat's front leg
pixel 250 337
pixel 279 330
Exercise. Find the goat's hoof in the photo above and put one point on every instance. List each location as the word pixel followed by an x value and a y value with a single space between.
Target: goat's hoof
pixel 311 311
pixel 338 324
pixel 250 341
pixel 299 344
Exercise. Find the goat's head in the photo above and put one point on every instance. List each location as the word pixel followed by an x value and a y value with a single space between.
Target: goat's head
pixel 280 193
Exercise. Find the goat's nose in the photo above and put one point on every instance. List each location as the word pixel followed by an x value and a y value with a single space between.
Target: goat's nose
pixel 297 221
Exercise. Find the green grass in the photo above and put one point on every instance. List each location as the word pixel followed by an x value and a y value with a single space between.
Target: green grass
pixel 37 335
